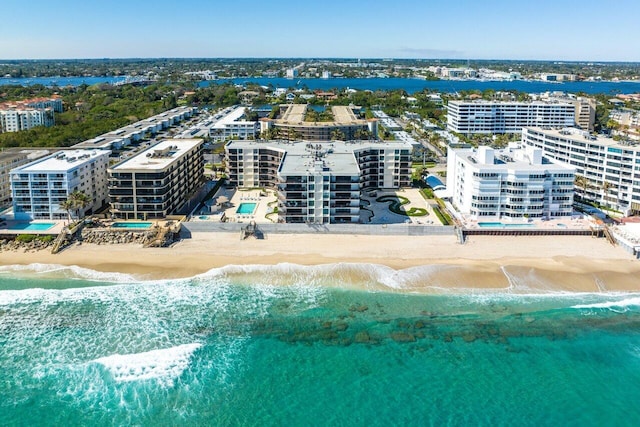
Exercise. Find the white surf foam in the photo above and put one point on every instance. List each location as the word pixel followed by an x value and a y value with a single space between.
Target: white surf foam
pixel 69 272
pixel 163 365
pixel 627 302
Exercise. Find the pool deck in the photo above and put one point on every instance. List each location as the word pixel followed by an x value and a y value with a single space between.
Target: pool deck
pixel 5 228
pixel 372 212
pixel 235 198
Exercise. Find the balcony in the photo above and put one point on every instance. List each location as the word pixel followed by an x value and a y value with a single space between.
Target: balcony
pixel 119 184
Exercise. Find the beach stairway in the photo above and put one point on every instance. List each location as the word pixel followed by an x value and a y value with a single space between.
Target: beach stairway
pixel 460 235
pixel 158 239
pixel 249 230
pixel 608 235
pixel 60 240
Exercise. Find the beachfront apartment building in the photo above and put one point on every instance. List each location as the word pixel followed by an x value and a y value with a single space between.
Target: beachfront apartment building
pixel 231 123
pixel 11 158
pixel 609 169
pixel 498 117
pixel 318 182
pixel 157 181
pixel 39 187
pixel 292 125
pixel 511 183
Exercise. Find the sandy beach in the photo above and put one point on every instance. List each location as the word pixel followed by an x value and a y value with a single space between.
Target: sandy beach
pixel 565 263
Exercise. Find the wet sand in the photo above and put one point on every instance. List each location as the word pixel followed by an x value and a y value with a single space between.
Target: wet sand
pixel 510 263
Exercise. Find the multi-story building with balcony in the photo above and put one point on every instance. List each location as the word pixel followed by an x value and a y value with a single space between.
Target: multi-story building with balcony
pixel 292 125
pixel 38 188
pixel 157 181
pixel 16 116
pixel 55 103
pixel 318 182
pixel 495 117
pixel 609 170
pixel 628 123
pixel 18 119
pixel 585 108
pixel 515 182
pixel 231 123
pixel 12 158
pixel 120 138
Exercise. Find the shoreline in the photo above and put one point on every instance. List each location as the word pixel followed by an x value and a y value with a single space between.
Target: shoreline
pixel 422 264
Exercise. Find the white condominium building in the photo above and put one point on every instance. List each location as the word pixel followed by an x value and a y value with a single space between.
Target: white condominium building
pixel 318 182
pixel 610 169
pixel 585 108
pixel 55 103
pixel 12 158
pixel 29 113
pixel 515 182
pixel 491 117
pixel 15 120
pixel 38 188
pixel 232 124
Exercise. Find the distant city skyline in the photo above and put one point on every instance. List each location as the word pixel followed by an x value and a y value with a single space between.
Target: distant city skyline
pixel 561 30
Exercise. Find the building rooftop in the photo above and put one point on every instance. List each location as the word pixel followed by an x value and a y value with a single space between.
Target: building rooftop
pixel 102 142
pixel 514 158
pixel 328 158
pixel 158 156
pixel 342 116
pixel 10 154
pixel 232 116
pixel 584 136
pixel 295 114
pixel 487 102
pixel 108 139
pixel 61 161
pixel 337 156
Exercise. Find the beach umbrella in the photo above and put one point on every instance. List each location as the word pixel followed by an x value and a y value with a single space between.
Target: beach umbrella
pixel 222 200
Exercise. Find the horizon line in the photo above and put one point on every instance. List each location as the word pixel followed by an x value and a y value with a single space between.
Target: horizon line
pixel 388 59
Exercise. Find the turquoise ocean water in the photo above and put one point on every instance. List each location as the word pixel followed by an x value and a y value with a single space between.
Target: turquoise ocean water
pixel 291 345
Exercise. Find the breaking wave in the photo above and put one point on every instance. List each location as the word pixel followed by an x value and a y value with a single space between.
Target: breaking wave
pixel 163 365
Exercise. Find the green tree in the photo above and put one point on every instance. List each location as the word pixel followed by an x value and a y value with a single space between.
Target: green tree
pixel 337 135
pixel 68 206
pixel 583 183
pixel 77 201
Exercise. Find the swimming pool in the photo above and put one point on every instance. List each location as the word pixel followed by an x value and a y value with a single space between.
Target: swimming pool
pixel 128 225
pixel 502 225
pixel 32 226
pixel 246 208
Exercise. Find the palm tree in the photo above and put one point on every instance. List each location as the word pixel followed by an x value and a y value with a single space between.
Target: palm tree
pixel 337 135
pixel 362 134
pixel 583 183
pixel 606 186
pixel 76 201
pixel 68 206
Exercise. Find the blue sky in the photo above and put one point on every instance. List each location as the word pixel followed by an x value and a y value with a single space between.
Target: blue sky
pixel 595 30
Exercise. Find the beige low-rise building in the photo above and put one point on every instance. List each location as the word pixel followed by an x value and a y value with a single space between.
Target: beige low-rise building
pixel 292 125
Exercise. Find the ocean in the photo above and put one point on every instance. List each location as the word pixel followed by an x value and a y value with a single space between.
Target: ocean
pixel 298 346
